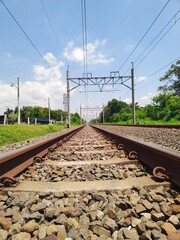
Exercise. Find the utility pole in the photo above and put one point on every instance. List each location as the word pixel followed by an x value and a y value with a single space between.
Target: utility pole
pixel 49 110
pixel 68 97
pixel 103 113
pixel 5 119
pixel 133 100
pixel 19 117
pixel 80 115
pixel 18 99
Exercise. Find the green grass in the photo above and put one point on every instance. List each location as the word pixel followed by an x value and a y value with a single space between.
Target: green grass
pixel 17 133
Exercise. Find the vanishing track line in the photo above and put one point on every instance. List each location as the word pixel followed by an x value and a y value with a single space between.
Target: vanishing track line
pixel 89 187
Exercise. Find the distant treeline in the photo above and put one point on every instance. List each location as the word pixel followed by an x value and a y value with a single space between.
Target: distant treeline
pixel 165 107
pixel 41 113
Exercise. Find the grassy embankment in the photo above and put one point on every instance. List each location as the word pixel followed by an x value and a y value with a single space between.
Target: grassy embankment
pixel 17 133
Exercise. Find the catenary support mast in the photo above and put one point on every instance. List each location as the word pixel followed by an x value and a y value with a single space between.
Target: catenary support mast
pixel 101 82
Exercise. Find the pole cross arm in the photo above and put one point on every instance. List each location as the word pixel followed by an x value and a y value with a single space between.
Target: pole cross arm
pixel 99 81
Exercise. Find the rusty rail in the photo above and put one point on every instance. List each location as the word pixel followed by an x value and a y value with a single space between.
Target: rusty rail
pixel 177 126
pixel 151 154
pixel 12 163
pixel 166 163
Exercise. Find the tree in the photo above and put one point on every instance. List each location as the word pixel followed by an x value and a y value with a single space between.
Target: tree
pixel 114 111
pixel 172 78
pixel 151 112
pixel 167 106
pixel 75 118
pixel 12 117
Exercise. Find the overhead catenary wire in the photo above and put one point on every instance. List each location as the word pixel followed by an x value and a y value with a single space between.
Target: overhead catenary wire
pixel 144 35
pixel 84 36
pixel 151 75
pixel 84 41
pixel 85 31
pixel 31 42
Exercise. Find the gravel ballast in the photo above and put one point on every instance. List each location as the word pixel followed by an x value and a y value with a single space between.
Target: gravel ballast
pixel 139 213
pixel 131 214
pixel 46 173
pixel 167 138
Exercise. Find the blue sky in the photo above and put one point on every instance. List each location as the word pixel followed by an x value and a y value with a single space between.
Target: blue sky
pixel 114 27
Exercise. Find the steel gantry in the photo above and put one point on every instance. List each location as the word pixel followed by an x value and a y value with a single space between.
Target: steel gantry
pixel 91 109
pixel 100 82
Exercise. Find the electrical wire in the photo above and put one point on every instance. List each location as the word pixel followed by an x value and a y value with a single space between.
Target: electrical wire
pixel 157 71
pixel 144 35
pixel 86 50
pixel 174 17
pixel 50 23
pixel 151 75
pixel 85 30
pixel 84 36
pixel 54 32
pixel 136 60
pixel 84 39
pixel 34 46
pixel 156 43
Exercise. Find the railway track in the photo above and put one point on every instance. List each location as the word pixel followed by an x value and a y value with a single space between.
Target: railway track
pixel 89 184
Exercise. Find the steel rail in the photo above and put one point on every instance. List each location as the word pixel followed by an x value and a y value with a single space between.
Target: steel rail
pixel 151 154
pixel 14 162
pixel 177 126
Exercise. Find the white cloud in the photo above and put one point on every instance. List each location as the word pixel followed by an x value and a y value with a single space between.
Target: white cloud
pixel 127 100
pixel 146 99
pixel 50 58
pixel 94 53
pixel 129 47
pixel 43 73
pixel 140 78
pixel 36 92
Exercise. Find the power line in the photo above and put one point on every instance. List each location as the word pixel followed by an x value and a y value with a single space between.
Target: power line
pixel 144 35
pixel 84 39
pixel 50 23
pixel 53 30
pixel 136 60
pixel 34 46
pixel 84 35
pixel 159 70
pixel 174 17
pixel 157 43
pixel 85 30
